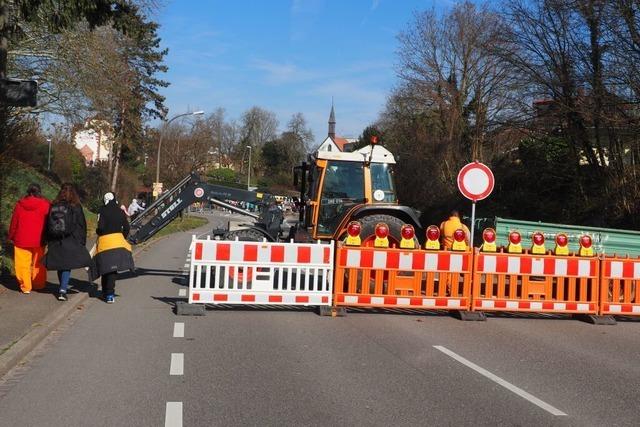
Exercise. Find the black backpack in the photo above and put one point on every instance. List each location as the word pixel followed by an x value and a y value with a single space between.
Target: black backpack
pixel 60 221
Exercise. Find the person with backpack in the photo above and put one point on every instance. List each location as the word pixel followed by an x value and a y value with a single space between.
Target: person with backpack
pixel 113 252
pixel 66 237
pixel 26 231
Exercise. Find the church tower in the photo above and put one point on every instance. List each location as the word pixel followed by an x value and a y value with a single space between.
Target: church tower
pixel 332 123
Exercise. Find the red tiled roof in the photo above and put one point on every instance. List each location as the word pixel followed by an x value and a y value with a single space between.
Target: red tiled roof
pixel 86 152
pixel 340 142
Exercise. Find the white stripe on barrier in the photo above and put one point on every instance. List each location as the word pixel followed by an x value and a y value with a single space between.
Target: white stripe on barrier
pixel 636 270
pixel 377 300
pixel 537 266
pixel 431 262
pixel 513 265
pixel 584 268
pixel 453 303
pixel 560 267
pixel 403 301
pixel 455 263
pixel 490 264
pixel 535 305
pixel 379 260
pixel 616 270
pixel 406 261
pixel 512 304
pixel 353 259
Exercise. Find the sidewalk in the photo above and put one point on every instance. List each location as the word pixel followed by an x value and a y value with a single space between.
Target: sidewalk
pixel 27 319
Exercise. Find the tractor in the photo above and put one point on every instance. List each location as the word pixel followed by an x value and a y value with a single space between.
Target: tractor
pixel 338 188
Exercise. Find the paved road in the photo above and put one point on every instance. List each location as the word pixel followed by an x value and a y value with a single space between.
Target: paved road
pixel 113 365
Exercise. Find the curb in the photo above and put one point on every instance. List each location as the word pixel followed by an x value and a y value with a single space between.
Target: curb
pixel 18 351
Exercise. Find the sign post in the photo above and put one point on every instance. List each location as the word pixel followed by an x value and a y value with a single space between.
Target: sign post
pixel 475 182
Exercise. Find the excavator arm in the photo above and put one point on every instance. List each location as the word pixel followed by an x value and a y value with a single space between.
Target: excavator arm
pixel 188 191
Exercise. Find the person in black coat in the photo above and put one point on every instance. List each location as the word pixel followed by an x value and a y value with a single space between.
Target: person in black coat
pixel 113 252
pixel 66 237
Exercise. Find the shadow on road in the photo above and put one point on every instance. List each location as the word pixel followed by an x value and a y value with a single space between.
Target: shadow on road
pixel 76 286
pixel 149 272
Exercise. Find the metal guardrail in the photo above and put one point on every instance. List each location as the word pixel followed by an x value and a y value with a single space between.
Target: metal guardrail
pixel 607 241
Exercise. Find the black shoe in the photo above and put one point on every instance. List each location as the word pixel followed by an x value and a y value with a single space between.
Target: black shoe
pixel 62 296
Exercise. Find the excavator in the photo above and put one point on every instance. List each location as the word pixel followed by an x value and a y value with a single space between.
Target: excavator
pixel 336 190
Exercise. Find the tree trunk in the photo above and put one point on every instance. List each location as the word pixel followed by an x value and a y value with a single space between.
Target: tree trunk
pixel 114 179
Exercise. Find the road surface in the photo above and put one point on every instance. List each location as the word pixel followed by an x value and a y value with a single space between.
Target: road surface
pixel 135 363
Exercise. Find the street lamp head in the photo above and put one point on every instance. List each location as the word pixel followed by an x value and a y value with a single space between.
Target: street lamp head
pixel 249 147
pixel 198 113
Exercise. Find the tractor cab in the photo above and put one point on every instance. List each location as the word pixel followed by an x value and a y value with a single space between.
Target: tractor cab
pixel 346 186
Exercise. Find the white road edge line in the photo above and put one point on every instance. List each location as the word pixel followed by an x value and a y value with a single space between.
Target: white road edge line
pixel 182 292
pixel 531 398
pixel 177 364
pixel 178 330
pixel 173 415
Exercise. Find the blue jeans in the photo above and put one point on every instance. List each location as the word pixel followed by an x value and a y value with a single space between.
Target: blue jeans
pixel 63 277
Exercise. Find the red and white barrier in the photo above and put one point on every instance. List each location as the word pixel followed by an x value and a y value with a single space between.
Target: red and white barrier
pixel 236 272
pixel 405 261
pixel 517 264
pixel 620 286
pixel 535 283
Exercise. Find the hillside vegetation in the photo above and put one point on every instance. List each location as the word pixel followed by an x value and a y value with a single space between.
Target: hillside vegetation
pixel 18 177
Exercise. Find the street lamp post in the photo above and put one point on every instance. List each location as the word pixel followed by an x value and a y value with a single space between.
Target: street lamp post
pixel 49 157
pixel 195 113
pixel 249 170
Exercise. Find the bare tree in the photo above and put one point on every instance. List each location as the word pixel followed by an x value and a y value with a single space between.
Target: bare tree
pixel 446 63
pixel 257 127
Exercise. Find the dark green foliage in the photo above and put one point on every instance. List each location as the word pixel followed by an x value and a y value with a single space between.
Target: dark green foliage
pixel 222 175
pixel 367 133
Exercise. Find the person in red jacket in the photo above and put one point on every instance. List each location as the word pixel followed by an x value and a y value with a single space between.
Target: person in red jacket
pixel 27 234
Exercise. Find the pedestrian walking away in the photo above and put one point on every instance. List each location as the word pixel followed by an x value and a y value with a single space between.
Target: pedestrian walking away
pixel 113 252
pixel 66 234
pixel 448 227
pixel 26 231
pixel 134 209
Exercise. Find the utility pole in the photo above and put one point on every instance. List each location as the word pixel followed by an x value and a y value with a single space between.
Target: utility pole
pixel 249 170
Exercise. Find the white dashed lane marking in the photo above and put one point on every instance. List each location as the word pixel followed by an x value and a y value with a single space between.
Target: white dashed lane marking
pixel 173 415
pixel 512 388
pixel 178 330
pixel 177 364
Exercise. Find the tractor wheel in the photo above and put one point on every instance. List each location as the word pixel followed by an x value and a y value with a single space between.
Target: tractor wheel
pixel 368 233
pixel 246 235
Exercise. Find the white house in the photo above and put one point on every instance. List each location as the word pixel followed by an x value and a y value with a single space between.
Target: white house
pixel 335 143
pixel 94 140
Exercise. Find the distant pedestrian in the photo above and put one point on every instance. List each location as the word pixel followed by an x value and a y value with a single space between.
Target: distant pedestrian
pixel 66 237
pixel 26 231
pixel 448 227
pixel 134 209
pixel 113 252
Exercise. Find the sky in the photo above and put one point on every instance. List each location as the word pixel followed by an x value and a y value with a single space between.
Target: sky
pixel 285 56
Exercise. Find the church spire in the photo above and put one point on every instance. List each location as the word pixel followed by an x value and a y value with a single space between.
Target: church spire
pixel 332 122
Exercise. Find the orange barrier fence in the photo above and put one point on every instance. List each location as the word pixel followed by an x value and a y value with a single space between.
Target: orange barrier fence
pixel 619 290
pixel 397 278
pixel 535 283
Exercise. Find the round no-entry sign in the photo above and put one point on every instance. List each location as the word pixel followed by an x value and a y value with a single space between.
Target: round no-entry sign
pixel 475 181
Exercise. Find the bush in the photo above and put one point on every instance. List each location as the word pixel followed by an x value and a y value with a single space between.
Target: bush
pixel 222 175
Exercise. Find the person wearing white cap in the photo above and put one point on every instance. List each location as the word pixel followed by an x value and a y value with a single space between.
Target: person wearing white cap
pixel 113 252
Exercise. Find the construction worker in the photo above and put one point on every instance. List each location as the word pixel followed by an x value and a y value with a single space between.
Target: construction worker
pixel 448 227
